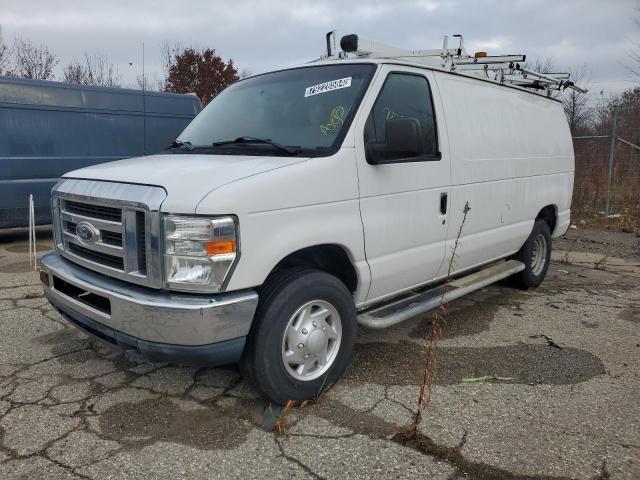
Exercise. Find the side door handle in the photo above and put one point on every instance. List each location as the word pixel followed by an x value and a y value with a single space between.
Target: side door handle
pixel 443 203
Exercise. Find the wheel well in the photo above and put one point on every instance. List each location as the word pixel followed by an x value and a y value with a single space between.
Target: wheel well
pixel 548 214
pixel 332 259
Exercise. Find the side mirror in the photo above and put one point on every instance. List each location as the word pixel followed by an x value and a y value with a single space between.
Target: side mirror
pixel 403 139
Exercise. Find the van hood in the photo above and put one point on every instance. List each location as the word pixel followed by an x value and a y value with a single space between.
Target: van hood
pixel 187 178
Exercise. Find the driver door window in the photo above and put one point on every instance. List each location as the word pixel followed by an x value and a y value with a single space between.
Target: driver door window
pixel 401 126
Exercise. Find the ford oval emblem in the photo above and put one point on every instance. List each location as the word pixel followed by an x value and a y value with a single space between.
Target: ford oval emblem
pixel 86 232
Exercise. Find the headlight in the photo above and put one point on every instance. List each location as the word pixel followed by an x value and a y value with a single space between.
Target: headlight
pixel 199 252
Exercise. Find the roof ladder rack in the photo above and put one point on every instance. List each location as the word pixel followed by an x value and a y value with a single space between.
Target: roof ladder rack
pixel 504 69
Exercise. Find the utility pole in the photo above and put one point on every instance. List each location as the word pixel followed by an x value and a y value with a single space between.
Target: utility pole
pixel 612 154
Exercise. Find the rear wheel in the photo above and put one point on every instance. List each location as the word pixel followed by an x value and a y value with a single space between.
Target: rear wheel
pixel 302 337
pixel 535 254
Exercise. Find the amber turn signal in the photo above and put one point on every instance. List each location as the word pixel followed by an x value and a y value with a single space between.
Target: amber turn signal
pixel 221 248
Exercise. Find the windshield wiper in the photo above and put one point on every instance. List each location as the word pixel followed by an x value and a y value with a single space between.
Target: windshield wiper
pixel 180 144
pixel 239 140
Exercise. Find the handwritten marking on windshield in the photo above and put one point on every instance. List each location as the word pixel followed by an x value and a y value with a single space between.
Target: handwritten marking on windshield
pixel 336 118
pixel 389 114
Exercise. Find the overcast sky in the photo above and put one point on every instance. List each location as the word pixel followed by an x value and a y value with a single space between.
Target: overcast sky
pixel 261 35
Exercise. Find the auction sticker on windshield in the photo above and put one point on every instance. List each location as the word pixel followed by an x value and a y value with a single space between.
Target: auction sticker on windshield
pixel 327 86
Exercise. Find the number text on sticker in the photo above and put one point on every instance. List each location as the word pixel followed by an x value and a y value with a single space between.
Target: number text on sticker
pixel 328 86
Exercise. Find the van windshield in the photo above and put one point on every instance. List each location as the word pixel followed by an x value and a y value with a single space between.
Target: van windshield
pixel 305 110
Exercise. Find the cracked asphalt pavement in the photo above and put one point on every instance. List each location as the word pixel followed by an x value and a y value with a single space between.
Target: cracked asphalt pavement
pixel 542 384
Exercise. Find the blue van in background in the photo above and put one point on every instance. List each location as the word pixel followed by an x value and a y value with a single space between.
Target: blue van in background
pixel 49 128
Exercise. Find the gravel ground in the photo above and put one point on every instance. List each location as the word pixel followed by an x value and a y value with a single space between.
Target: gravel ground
pixel 603 241
pixel 555 395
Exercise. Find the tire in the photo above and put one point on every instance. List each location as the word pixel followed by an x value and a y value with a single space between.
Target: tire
pixel 301 312
pixel 535 254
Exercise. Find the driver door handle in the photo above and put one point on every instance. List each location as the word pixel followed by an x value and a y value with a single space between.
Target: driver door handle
pixel 443 203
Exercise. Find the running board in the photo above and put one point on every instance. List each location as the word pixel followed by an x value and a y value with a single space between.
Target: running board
pixel 393 313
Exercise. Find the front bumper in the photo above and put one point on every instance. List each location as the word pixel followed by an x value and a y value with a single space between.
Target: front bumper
pixel 158 325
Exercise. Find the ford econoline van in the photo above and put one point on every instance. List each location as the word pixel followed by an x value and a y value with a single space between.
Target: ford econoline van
pixel 304 203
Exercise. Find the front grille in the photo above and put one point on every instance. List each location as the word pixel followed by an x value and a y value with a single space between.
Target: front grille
pixel 97 257
pixel 69 227
pixel 112 238
pixel 94 211
pixel 110 227
pixel 141 232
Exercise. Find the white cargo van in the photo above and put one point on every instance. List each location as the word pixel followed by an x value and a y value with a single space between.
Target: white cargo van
pixel 303 202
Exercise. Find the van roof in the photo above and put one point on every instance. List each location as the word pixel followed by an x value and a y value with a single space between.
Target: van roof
pixel 505 70
pixel 74 86
pixel 45 94
pixel 383 61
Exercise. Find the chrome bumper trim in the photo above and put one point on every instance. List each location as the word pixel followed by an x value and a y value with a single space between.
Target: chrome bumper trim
pixel 152 315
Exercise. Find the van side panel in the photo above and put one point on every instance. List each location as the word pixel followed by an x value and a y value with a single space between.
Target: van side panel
pixel 49 128
pixel 511 155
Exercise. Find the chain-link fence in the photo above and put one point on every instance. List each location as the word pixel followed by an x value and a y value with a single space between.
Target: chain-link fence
pixel 594 190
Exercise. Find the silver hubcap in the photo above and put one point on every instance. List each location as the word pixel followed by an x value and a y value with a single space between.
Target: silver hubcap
pixel 538 254
pixel 311 340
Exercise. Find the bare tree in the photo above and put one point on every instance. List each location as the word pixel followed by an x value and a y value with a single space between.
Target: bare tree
pixel 157 80
pixel 5 55
pixel 542 65
pixel 167 53
pixel 93 70
pixel 143 82
pixel 152 83
pixel 244 73
pixel 576 104
pixel 74 73
pixel 31 61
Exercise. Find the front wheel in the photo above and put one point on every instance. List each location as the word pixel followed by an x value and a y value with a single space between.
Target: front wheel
pixel 535 254
pixel 302 337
